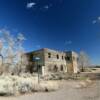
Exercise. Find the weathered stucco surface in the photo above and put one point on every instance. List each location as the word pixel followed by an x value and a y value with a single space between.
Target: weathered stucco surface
pixel 52 61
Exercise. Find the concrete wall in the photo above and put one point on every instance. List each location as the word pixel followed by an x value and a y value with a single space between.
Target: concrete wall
pixel 33 64
pixel 52 61
pixel 75 62
pixel 72 63
pixel 56 59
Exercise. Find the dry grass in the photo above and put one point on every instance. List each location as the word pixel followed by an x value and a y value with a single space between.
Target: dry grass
pixel 84 83
pixel 12 85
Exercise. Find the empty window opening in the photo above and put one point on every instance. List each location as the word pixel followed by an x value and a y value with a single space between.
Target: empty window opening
pixel 49 55
pixel 62 57
pixel 68 58
pixel 55 68
pixel 57 56
pixel 61 68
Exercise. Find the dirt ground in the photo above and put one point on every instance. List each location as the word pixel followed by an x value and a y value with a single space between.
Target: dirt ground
pixel 67 91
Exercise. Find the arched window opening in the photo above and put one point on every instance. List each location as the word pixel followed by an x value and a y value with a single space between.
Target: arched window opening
pixel 57 56
pixel 61 68
pixel 55 68
pixel 49 55
pixel 68 58
pixel 62 57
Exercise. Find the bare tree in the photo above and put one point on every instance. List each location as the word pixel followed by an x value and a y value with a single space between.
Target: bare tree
pixel 84 60
pixel 12 51
pixel 1 56
pixel 21 57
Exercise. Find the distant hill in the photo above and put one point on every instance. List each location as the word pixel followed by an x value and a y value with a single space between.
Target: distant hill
pixel 94 66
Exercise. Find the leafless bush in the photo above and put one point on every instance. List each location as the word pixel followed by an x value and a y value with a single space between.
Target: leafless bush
pixel 13 58
pixel 12 85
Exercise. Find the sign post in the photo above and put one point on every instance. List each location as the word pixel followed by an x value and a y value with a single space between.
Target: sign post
pixel 37 59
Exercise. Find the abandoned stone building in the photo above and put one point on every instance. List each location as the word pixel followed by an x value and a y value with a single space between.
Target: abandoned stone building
pixel 52 61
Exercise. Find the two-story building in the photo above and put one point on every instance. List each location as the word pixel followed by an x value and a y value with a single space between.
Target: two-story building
pixel 52 61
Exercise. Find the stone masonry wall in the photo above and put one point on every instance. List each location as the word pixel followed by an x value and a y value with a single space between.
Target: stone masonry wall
pixel 54 61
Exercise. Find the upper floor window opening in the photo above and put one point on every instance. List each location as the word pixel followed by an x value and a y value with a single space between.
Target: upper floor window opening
pixel 57 56
pixel 49 55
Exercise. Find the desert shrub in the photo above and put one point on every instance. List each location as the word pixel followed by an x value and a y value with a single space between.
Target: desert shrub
pixel 25 75
pixel 6 86
pixel 12 85
pixel 24 85
pixel 57 76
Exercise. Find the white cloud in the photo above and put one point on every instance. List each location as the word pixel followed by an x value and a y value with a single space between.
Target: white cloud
pixel 68 42
pixel 44 8
pixel 94 21
pixel 97 20
pixel 47 6
pixel 31 4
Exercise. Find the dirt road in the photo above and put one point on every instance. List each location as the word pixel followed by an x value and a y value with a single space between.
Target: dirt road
pixel 68 91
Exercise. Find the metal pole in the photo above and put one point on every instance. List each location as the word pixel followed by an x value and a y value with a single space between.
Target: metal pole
pixel 37 60
pixel 38 73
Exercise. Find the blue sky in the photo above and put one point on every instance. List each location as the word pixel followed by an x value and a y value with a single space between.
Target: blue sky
pixel 56 24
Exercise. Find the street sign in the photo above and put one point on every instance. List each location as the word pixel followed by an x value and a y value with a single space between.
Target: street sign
pixel 36 58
